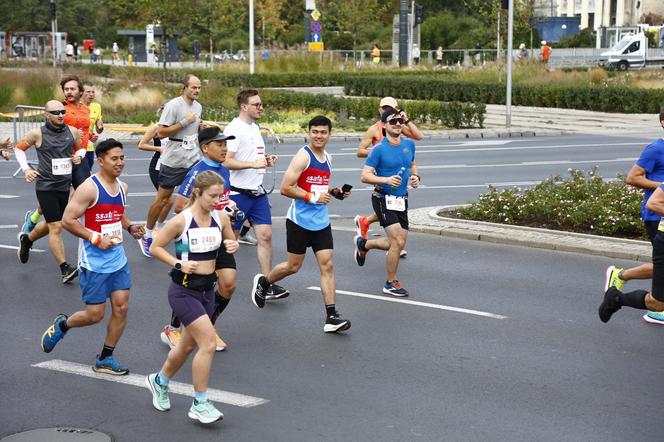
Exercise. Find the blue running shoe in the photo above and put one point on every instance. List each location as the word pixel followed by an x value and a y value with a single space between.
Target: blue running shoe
pixel 109 365
pixel 28 225
pixel 145 244
pixel 394 288
pixel 359 252
pixel 53 334
pixel 654 317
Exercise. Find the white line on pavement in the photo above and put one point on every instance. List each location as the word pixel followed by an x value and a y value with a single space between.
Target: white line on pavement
pixel 422 149
pixel 418 303
pixel 6 197
pixel 226 397
pixel 3 246
pixel 8 226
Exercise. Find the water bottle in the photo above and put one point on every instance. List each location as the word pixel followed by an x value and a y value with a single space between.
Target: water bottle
pixel 400 174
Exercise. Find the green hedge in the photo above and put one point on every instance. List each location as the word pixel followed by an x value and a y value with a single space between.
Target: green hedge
pixel 455 115
pixel 596 98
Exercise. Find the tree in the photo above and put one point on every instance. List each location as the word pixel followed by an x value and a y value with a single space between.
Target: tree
pixel 350 15
pixel 269 18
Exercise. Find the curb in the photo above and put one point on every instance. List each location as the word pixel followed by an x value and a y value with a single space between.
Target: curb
pixel 427 220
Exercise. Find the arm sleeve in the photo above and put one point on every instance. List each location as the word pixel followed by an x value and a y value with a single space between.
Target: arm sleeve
pixel 648 159
pixel 22 159
pixel 374 157
pixel 188 184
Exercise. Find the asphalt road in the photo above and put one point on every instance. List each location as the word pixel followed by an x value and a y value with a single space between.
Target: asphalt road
pixel 502 342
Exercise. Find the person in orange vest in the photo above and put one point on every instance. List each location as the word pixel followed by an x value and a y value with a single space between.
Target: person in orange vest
pixel 545 52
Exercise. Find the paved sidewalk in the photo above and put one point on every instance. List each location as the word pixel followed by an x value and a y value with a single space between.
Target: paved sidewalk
pixel 427 220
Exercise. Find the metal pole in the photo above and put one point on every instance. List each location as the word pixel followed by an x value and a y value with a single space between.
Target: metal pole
pixel 411 37
pixel 53 31
pixel 500 13
pixel 251 37
pixel 510 44
pixel 403 33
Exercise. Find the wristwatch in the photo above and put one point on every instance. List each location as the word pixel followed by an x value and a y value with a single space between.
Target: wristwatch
pixel 178 266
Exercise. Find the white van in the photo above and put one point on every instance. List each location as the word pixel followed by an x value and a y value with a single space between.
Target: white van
pixel 630 52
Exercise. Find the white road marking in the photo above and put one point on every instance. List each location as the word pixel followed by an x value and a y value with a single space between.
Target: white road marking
pixel 7 197
pixel 422 148
pixel 417 303
pixel 3 246
pixel 226 397
pixel 8 226
pixel 141 193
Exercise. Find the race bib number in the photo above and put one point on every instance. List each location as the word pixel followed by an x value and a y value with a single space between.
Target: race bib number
pixel 61 166
pixel 396 203
pixel 113 231
pixel 158 165
pixel 190 142
pixel 204 239
pixel 260 152
pixel 319 188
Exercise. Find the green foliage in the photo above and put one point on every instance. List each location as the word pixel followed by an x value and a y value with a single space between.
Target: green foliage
pixel 450 31
pixel 584 202
pixel 6 92
pixel 596 98
pixel 582 39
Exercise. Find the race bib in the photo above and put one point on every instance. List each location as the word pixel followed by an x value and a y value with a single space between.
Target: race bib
pixel 319 188
pixel 113 231
pixel 396 203
pixel 61 166
pixel 158 165
pixel 190 142
pixel 204 239
pixel 260 152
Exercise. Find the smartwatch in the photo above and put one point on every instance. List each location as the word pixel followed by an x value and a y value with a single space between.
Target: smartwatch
pixel 178 266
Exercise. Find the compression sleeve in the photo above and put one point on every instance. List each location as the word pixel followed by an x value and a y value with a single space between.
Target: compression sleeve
pixel 22 159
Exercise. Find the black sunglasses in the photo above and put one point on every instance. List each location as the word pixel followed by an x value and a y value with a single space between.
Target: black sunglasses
pixel 394 121
pixel 57 112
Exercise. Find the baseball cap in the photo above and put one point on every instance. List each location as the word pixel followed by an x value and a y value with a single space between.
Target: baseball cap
pixel 389 101
pixel 210 134
pixel 543 42
pixel 388 113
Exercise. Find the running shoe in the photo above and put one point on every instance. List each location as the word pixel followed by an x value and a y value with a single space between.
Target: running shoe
pixel 362 226
pixel 394 288
pixel 145 244
pixel 654 317
pixel 360 252
pixel 403 254
pixel 259 290
pixel 68 273
pixel 613 278
pixel 160 399
pixel 53 334
pixel 221 345
pixel 28 225
pixel 205 412
pixel 171 336
pixel 610 304
pixel 109 365
pixel 24 246
pixel 335 323
pixel 276 292
pixel 247 239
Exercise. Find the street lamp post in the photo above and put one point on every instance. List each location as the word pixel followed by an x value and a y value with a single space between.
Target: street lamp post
pixel 510 44
pixel 251 37
pixel 54 29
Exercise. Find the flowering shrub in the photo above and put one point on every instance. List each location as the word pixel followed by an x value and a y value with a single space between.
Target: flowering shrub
pixel 584 203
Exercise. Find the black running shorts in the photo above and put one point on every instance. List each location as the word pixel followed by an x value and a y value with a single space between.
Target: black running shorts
pixel 658 267
pixel 224 259
pixel 388 217
pixel 299 238
pixel 651 229
pixel 52 204
pixel 171 177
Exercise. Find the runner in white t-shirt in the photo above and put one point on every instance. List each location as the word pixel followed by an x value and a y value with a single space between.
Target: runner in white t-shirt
pixel 247 161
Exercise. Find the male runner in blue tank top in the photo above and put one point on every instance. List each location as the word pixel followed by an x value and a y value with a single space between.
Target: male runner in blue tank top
pixel 306 181
pixel 100 201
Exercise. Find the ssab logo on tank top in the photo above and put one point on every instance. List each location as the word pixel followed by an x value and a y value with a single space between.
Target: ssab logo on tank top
pixel 107 216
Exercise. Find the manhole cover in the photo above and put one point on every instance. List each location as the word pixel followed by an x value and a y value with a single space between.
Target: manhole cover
pixel 59 434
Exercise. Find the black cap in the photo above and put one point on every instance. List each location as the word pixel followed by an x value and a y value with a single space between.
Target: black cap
pixel 388 113
pixel 213 133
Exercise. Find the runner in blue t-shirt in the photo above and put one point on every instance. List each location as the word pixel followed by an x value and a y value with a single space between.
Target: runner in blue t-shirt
pixel 212 142
pixel 647 174
pixel 391 168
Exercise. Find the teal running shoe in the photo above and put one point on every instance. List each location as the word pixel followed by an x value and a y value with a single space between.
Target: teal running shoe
pixel 28 225
pixel 654 317
pixel 109 365
pixel 205 412
pixel 53 334
pixel 160 398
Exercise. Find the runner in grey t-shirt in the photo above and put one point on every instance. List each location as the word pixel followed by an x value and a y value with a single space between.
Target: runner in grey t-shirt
pixel 179 123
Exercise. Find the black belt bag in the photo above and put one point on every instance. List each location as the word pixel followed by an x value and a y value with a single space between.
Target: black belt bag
pixel 249 192
pixel 201 283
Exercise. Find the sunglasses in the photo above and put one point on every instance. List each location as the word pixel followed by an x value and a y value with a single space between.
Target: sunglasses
pixel 57 112
pixel 257 105
pixel 394 121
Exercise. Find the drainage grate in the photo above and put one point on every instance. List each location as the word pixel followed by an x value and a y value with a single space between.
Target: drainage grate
pixel 59 434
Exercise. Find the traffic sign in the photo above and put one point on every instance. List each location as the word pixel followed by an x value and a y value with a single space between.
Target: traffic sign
pixel 315 38
pixel 315 27
pixel 315 14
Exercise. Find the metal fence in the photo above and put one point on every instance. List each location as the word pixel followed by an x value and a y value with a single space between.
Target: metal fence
pixel 24 119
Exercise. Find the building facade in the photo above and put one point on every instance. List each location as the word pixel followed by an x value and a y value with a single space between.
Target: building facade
pixel 600 13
